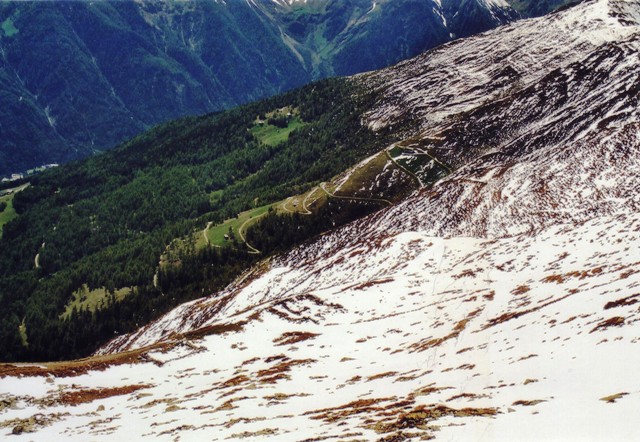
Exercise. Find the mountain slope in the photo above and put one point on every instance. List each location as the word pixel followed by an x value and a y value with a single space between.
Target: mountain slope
pixel 121 67
pixel 79 77
pixel 349 36
pixel 498 304
pixel 105 224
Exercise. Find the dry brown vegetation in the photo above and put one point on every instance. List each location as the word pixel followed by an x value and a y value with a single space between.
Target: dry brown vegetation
pixel 279 397
pixel 371 283
pixel 468 273
pixel 616 321
pixel 420 417
pixel 100 363
pixel 218 329
pixel 629 300
pixel 280 370
pixel 341 436
pixel 467 396
pixel 246 434
pixel 243 420
pixel 521 290
pixel 382 375
pixel 613 398
pixel 554 278
pixel 32 423
pixel 513 315
pixel 360 406
pixel 84 396
pixel 425 391
pixel 78 367
pixel 293 337
pixel 457 329
pixel 489 296
pixel 529 403
pixel 230 404
pixel 234 381
pixel 466 367
pixel 575 274
pixel 625 275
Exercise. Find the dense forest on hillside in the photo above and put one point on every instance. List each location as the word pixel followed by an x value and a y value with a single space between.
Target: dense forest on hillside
pixel 105 222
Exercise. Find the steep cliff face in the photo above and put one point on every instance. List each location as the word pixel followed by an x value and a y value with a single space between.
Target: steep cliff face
pixel 499 304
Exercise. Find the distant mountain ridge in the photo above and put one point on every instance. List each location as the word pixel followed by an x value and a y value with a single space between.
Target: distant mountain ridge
pixel 79 77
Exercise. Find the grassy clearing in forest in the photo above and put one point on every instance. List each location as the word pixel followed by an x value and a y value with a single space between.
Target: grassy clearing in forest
pixel 22 330
pixel 92 299
pixel 304 203
pixel 273 135
pixel 9 212
pixel 216 234
pixel 9 28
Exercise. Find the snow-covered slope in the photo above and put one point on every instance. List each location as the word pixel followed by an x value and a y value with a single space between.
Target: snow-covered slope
pixel 464 74
pixel 500 304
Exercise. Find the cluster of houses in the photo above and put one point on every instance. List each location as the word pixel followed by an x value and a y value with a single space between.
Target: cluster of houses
pixel 19 176
pixel 13 177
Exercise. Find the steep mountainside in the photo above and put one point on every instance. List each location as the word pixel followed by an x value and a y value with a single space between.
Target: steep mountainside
pixel 500 303
pixel 83 76
pixel 141 219
pixel 344 37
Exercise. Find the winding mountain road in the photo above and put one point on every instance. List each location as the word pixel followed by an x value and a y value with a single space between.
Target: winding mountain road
pixel 354 198
pixel 252 249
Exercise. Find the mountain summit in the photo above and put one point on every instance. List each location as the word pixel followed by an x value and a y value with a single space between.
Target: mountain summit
pixel 500 303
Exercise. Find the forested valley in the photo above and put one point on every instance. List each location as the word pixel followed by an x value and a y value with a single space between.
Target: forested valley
pixel 105 222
